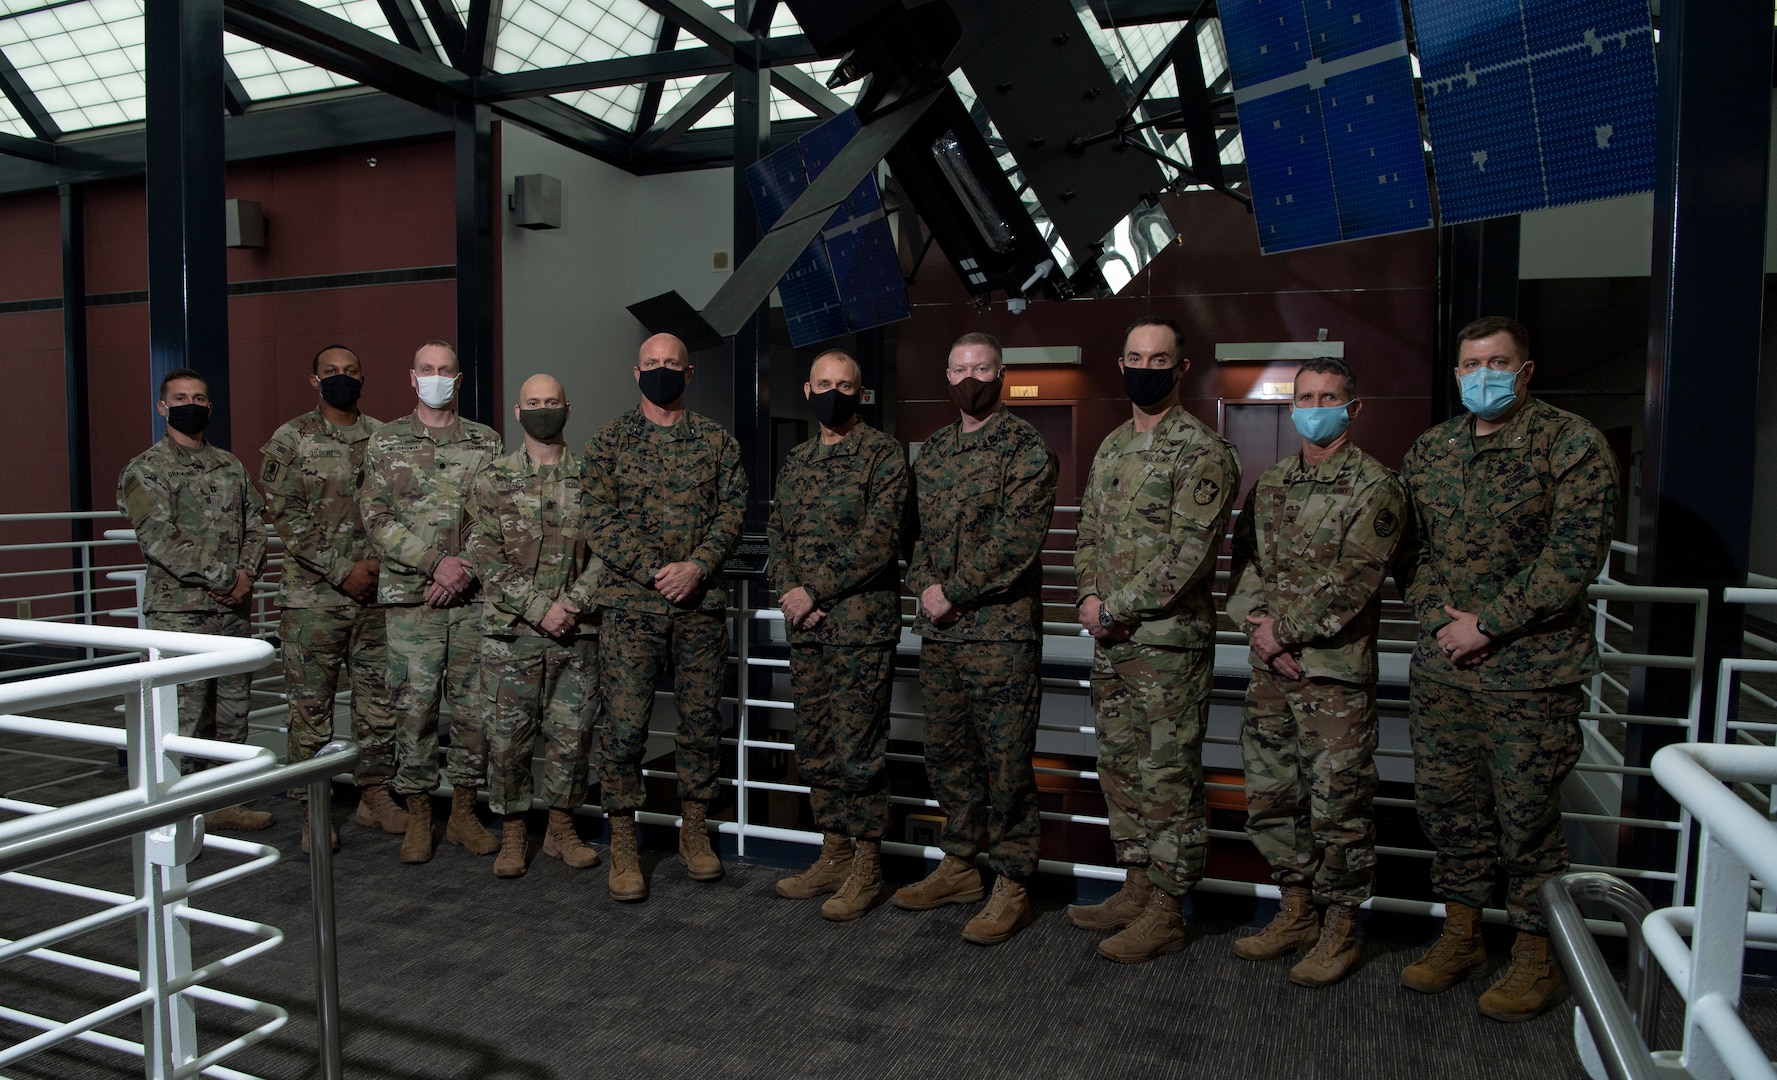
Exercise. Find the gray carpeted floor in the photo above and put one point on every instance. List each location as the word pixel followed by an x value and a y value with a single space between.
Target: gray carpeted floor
pixel 448 972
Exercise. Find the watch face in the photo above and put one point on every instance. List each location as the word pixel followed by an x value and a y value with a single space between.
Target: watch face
pixel 1105 620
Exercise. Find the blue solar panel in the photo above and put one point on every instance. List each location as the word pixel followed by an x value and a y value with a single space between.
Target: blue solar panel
pixel 1536 104
pixel 866 265
pixel 1324 90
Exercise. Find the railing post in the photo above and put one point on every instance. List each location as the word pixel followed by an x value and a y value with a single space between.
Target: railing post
pixel 1717 951
pixel 743 626
pixel 320 811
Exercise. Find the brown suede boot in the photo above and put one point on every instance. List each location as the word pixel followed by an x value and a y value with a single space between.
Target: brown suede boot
pixel 626 882
pixel 700 861
pixel 1455 956
pixel 376 810
pixel 465 828
pixel 1159 931
pixel 1295 926
pixel 1532 982
pixel 416 843
pixel 237 819
pixel 955 881
pixel 332 833
pixel 562 841
pixel 1006 912
pixel 1335 954
pixel 511 860
pixel 1119 909
pixel 828 873
pixel 863 888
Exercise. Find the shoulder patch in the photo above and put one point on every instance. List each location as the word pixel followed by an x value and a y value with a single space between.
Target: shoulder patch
pixel 1206 492
pixel 1387 523
pixel 270 470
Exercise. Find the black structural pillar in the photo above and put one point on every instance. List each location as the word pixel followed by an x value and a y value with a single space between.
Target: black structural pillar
pixel 80 472
pixel 1477 275
pixel 475 261
pixel 752 343
pixel 1703 345
pixel 187 253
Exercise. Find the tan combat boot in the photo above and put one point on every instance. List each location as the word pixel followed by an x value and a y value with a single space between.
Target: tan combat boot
pixel 828 873
pixel 955 881
pixel 332 833
pixel 1532 982
pixel 1335 954
pixel 1455 956
pixel 700 862
pixel 237 819
pixel 1159 931
pixel 376 810
pixel 1007 911
pixel 562 841
pixel 416 844
pixel 1118 910
pixel 626 882
pixel 511 862
pixel 1295 926
pixel 863 888
pixel 465 828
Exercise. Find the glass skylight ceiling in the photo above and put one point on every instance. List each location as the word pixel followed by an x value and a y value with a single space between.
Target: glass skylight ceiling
pixel 10 122
pixel 552 33
pixel 82 60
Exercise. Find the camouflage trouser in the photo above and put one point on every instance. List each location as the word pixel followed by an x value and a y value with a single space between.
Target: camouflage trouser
pixel 1152 704
pixel 1488 767
pixel 539 684
pixel 842 719
pixel 981 702
pixel 635 649
pixel 435 652
pixel 1308 747
pixel 318 641
pixel 216 708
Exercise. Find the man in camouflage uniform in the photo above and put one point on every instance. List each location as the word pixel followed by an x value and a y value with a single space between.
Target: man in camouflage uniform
pixel 417 476
pixel 201 527
pixel 1515 505
pixel 835 541
pixel 539 660
pixel 1151 525
pixel 327 593
pixel 1314 542
pixel 667 522
pixel 986 489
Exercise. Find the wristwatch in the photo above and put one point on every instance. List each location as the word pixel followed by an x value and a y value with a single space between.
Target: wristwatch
pixel 1104 617
pixel 1486 633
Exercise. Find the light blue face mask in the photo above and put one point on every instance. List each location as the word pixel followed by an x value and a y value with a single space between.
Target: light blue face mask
pixel 1322 426
pixel 1489 394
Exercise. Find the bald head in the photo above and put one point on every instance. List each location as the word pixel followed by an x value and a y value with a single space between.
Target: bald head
pixel 542 392
pixel 833 367
pixel 660 349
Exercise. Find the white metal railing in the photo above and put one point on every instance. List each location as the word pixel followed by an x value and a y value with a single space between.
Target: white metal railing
pixel 163 808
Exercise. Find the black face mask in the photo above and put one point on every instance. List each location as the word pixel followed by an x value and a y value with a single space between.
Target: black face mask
pixel 341 391
pixel 543 424
pixel 976 397
pixel 833 408
pixel 188 419
pixel 663 385
pixel 1149 386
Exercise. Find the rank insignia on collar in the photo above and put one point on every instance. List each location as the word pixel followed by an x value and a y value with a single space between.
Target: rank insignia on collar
pixel 1386 523
pixel 1206 492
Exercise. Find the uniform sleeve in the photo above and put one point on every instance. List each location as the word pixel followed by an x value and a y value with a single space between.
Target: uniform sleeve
pixel 625 549
pixel 781 569
pixel 1200 506
pixel 147 501
pixel 1344 589
pixel 1582 517
pixel 1027 499
pixel 1246 578
pixel 1086 529
pixel 723 534
pixel 254 535
pixel 1424 590
pixel 399 545
pixel 876 543
pixel 593 499
pixel 305 538
pixel 504 585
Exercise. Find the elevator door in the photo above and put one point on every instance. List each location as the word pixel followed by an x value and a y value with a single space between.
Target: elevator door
pixel 1264 435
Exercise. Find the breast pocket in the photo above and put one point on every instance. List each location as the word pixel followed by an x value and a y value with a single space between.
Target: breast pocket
pixel 1519 495
pixel 1317 525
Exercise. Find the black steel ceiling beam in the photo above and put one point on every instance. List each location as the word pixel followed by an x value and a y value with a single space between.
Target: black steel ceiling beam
pixel 309 34
pixel 706 24
pixel 790 49
pixel 649 109
pixel 448 27
pixel 759 19
pixel 571 128
pixel 710 147
pixel 619 71
pixel 480 33
pixel 21 147
pixel 809 92
pixel 1112 13
pixel 23 99
pixel 691 108
pixel 408 26
pixel 234 95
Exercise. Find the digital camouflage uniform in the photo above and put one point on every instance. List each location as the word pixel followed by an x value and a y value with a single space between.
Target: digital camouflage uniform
pixel 1151 525
pixel 836 531
pixel 675 494
pixel 529 544
pixel 1512 527
pixel 416 485
pixel 1311 549
pixel 199 521
pixel 985 498
pixel 311 471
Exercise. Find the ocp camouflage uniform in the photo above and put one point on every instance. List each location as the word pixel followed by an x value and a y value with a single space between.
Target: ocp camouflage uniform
pixel 1512 527
pixel 675 494
pixel 199 522
pixel 311 471
pixel 1311 550
pixel 529 546
pixel 985 498
pixel 835 531
pixel 1151 524
pixel 416 485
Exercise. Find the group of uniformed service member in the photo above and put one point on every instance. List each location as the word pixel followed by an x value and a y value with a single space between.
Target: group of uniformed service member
pixel 544 591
